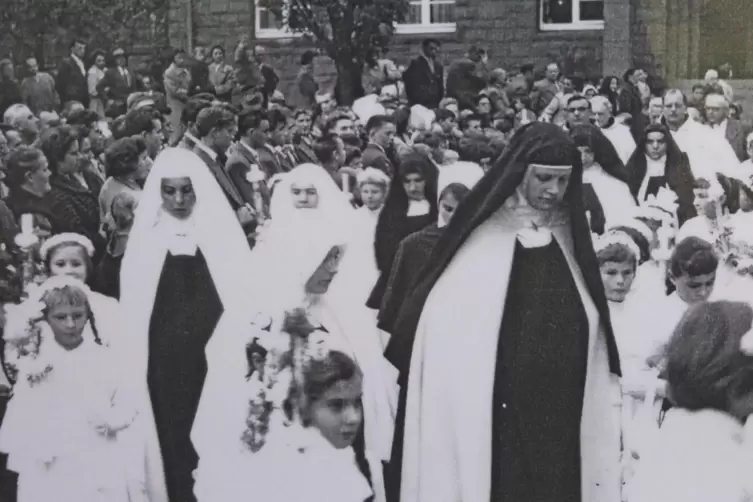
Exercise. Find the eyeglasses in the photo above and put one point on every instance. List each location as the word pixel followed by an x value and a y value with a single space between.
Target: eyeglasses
pixel 578 109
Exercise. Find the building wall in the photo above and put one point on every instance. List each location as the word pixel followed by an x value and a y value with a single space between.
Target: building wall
pixel 507 28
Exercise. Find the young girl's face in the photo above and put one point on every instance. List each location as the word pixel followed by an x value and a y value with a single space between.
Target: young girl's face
pixel 618 279
pixel 372 196
pixel 67 323
pixel 447 207
pixel 338 412
pixel 69 260
pixel 694 289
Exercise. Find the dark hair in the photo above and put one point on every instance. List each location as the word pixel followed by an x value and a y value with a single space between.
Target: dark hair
pixel 578 97
pixel 122 156
pixel 55 143
pixel 457 190
pixel 377 121
pixel 97 52
pixel 693 257
pixel 140 121
pixel 325 148
pixel 215 47
pixel 192 109
pixel 699 86
pixel 401 117
pixel 76 41
pixel 525 68
pixel 475 150
pixel 249 121
pixel 629 73
pixel 308 57
pixel 428 41
pixel 617 253
pixel 19 163
pixel 706 368
pixel 82 117
pixel 466 121
pixel 321 375
pixel 213 117
pixel 444 114
pixel 251 349
pixel 118 127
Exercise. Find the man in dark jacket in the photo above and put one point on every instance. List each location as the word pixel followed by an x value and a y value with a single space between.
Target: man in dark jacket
pixel 424 78
pixel 71 78
pixel 118 82
pixel 466 78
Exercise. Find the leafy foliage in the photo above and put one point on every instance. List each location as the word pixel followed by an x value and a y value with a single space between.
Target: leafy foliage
pixel 48 26
pixel 346 30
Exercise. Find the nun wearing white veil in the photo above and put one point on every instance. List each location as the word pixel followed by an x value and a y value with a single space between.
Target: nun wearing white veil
pixel 182 284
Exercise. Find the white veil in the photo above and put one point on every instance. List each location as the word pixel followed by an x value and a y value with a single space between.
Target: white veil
pixel 219 236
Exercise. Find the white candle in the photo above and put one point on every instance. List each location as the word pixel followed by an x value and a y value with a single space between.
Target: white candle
pixel 344 181
pixel 27 223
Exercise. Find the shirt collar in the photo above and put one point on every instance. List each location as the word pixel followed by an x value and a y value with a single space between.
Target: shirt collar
pixel 244 145
pixel 204 148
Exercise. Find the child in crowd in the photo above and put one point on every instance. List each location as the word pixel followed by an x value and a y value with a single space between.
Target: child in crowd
pixel 63 429
pixel 108 271
pixel 70 254
pixel 700 453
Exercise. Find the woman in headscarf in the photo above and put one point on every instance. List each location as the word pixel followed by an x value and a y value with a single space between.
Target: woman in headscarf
pixel 455 183
pixel 658 162
pixel 410 206
pixel 508 341
pixel 183 279
pixel 604 178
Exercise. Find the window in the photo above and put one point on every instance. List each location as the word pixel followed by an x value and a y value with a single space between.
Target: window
pixel 557 15
pixel 268 25
pixel 429 16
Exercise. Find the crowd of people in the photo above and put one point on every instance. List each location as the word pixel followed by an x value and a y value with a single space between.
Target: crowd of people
pixel 469 285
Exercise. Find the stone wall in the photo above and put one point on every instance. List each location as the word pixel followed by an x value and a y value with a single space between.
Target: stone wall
pixel 507 28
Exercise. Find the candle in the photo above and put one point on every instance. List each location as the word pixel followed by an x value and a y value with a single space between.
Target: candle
pixel 344 181
pixel 27 223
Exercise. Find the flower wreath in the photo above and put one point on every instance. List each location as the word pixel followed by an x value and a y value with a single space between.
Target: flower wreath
pixel 270 389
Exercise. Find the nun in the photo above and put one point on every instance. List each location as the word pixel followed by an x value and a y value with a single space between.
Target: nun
pixel 184 278
pixel 511 377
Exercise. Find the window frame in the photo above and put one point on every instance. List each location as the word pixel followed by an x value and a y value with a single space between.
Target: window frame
pixel 426 27
pixel 270 33
pixel 576 25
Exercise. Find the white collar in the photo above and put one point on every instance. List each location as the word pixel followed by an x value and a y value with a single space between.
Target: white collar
pixel 245 145
pixel 418 207
pixel 179 235
pixel 204 148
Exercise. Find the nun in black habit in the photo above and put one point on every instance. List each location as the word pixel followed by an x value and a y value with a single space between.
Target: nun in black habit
pixel 411 205
pixel 507 358
pixel 659 163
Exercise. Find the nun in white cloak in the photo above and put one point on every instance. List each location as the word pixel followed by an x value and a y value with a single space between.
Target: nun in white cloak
pixel 184 289
pixel 497 409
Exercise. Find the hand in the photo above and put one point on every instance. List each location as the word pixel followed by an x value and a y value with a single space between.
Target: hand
pixel 245 214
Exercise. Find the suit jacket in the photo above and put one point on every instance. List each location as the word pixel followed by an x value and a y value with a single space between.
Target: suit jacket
pixel 114 86
pixel 231 191
pixel 269 162
pixel 736 134
pixel 422 86
pixel 374 156
pixel 72 83
pixel 238 165
pixel 543 93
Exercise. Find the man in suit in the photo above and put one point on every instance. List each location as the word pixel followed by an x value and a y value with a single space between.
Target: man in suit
pixel 216 126
pixel 717 114
pixel 71 79
pixel 381 130
pixel 118 82
pixel 544 91
pixel 243 162
pixel 424 78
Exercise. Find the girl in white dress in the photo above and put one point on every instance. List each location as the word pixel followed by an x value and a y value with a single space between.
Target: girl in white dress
pixel 65 430
pixel 700 452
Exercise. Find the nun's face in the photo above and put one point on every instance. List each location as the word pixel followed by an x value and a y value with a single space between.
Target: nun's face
pixel 656 145
pixel 304 196
pixel 587 156
pixel 178 197
pixel 545 186
pixel 415 186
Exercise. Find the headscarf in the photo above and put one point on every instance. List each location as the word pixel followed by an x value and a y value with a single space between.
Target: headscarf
pixel 677 173
pixel 604 151
pixel 536 143
pixel 333 203
pixel 391 228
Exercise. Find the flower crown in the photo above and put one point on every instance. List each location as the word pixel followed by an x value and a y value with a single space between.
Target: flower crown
pixel 66 238
pixel 616 238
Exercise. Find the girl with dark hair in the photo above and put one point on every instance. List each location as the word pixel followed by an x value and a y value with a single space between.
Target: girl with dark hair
pixel 127 165
pixel 605 188
pixel 74 195
pixel 659 163
pixel 610 89
pixel 410 206
pixel 511 298
pixel 69 410
pixel 699 453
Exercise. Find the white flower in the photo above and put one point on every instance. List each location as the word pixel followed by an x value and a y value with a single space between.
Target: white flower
pixel 746 343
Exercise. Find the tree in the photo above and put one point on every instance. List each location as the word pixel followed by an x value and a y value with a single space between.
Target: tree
pixel 37 24
pixel 346 30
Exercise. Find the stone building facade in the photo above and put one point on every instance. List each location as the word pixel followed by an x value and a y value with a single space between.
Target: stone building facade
pixel 587 37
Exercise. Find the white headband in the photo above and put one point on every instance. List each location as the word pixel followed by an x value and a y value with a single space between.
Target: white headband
pixel 547 166
pixel 66 238
pixel 616 238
